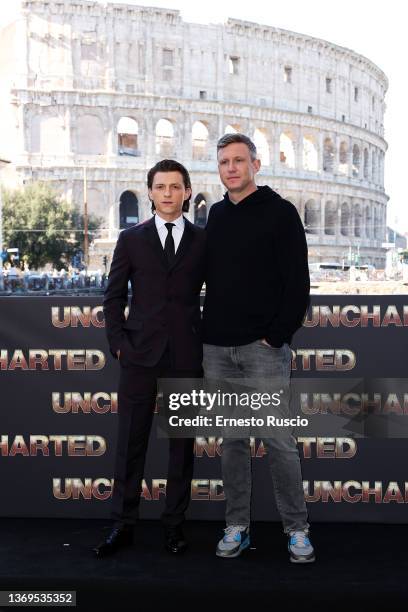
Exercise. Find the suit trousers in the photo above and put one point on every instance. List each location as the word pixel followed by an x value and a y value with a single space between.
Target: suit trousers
pixel 136 403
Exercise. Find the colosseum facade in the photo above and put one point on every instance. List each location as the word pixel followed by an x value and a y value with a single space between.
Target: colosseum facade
pixel 109 89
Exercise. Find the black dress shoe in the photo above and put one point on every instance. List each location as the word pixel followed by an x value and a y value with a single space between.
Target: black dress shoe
pixel 118 537
pixel 174 540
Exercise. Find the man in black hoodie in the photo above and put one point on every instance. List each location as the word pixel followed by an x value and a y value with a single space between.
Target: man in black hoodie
pixel 257 292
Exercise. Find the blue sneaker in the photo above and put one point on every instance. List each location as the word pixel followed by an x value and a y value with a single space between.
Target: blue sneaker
pixel 300 547
pixel 235 540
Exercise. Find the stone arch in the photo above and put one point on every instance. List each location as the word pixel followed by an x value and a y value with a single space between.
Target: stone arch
pixel 128 130
pixel 232 128
pixel 287 149
pixel 312 217
pixel 262 146
pixel 164 138
pixel 330 218
pixel 199 136
pixel 200 210
pixel 91 139
pixel 345 219
pixel 328 155
pixel 128 209
pixel 343 158
pixel 309 153
pixel 356 161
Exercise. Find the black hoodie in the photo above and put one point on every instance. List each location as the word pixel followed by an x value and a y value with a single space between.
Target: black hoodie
pixel 257 277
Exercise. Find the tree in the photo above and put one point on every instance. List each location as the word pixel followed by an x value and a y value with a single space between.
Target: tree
pixel 43 226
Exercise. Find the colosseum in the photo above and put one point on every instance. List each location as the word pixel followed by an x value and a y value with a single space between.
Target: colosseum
pixel 106 90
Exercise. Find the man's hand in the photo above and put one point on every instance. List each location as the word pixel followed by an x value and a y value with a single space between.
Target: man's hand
pixel 264 341
pixel 118 354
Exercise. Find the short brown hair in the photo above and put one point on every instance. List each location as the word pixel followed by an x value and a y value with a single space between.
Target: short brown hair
pixel 228 139
pixel 170 165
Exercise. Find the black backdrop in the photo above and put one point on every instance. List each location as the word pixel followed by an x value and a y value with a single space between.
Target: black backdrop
pixel 70 481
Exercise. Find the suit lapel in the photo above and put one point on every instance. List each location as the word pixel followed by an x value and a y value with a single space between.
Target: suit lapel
pixel 185 242
pixel 155 243
pixel 154 240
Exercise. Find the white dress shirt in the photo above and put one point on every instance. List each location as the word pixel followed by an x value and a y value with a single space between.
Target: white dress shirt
pixel 177 231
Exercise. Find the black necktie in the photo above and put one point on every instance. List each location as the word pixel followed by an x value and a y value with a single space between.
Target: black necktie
pixel 169 248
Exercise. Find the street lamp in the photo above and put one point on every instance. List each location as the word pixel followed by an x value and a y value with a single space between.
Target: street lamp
pixel 3 163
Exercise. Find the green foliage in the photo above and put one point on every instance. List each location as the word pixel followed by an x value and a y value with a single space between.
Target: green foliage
pixel 45 228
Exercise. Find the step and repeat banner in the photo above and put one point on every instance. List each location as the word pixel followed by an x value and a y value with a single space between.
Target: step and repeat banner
pixel 59 405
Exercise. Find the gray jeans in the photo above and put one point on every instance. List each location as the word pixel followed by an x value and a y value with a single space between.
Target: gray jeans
pixel 258 360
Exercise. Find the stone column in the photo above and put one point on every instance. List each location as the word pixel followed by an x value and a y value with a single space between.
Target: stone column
pixel 298 145
pixel 68 57
pixel 350 157
pixel 384 222
pixel 352 218
pixel 338 221
pixel 371 225
pixel 149 74
pixel 213 137
pixel 184 141
pixel 24 114
pixel 112 211
pixel 112 143
pixel 67 127
pixel 321 138
pixel 322 216
pixel 336 161
pixel 274 132
pixel 301 206
pixel 149 130
pixel 110 73
pixel 361 169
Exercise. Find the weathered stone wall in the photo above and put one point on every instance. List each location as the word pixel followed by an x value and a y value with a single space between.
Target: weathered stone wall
pixel 314 109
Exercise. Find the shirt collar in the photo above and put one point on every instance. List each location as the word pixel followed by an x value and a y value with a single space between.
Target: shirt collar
pixel 179 222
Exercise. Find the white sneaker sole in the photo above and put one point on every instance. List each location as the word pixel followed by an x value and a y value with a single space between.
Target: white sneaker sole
pixel 302 559
pixel 241 549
